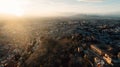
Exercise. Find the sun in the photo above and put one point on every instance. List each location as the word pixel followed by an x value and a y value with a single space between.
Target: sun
pixel 17 13
pixel 11 7
pixel 13 11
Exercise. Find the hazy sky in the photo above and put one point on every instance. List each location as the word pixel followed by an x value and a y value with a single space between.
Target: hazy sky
pixel 56 7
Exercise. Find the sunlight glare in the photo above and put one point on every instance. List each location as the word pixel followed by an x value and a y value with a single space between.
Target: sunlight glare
pixel 11 8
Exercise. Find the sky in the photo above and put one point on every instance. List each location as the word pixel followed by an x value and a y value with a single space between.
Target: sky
pixel 58 7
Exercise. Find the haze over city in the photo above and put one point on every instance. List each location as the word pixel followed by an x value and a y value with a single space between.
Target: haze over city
pixel 59 33
pixel 58 7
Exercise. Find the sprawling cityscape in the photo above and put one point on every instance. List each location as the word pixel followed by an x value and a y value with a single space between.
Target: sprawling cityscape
pixel 59 33
pixel 61 43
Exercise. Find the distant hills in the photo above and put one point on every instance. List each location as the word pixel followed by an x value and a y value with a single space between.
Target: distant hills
pixel 92 16
pixel 70 15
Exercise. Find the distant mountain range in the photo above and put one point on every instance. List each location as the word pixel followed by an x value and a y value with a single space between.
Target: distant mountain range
pixel 72 16
pixel 92 16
